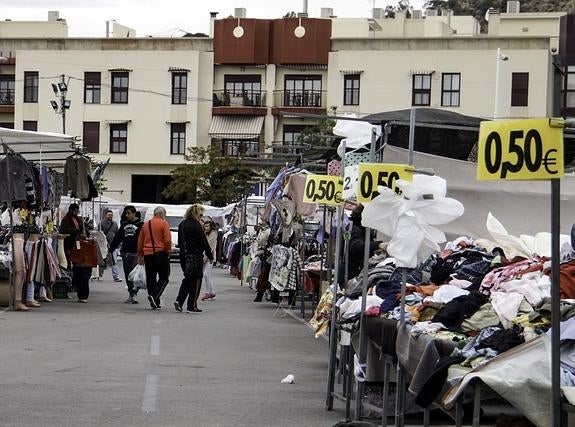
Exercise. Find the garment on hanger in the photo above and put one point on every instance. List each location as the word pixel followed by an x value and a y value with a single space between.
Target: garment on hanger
pixel 285 269
pixel 76 171
pixel 21 178
pixel 295 189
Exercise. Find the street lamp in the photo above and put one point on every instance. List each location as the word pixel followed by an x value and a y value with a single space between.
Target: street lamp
pixel 499 58
pixel 60 106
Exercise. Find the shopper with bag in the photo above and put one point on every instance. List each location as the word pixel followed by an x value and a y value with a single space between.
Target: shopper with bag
pixel 154 247
pixel 193 244
pixel 81 253
pixel 127 237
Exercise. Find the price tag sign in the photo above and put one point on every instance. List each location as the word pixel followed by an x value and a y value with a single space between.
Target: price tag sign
pixel 323 189
pixel 374 175
pixel 529 149
pixel 350 181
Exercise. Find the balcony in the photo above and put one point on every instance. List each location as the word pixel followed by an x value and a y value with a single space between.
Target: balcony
pixel 7 101
pixel 287 149
pixel 239 103
pixel 301 101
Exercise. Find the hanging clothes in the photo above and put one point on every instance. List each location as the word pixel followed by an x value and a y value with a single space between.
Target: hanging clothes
pixel 76 171
pixel 21 178
pixel 285 269
pixel 295 189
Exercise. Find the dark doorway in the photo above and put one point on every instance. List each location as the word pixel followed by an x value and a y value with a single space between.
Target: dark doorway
pixel 148 189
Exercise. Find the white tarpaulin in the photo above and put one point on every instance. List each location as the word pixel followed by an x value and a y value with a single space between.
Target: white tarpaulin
pixel 523 206
pixel 356 134
pixel 38 146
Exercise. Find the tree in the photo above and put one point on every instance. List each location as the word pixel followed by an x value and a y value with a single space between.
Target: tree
pixel 209 177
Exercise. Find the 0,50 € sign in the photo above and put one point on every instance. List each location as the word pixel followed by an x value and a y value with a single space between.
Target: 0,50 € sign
pixel 529 149
pixel 323 189
pixel 373 175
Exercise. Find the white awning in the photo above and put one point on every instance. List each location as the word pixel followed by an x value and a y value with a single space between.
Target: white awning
pixel 350 72
pixel 236 127
pixel 422 71
pixel 38 146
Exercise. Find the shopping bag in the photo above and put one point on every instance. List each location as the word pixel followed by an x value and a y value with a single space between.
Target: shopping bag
pixel 85 253
pixel 138 277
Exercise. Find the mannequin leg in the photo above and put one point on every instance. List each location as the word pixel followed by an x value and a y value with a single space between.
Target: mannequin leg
pixel 19 272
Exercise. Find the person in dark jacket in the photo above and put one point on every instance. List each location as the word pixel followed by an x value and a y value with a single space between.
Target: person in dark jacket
pixel 127 237
pixel 193 245
pixel 357 244
pixel 74 227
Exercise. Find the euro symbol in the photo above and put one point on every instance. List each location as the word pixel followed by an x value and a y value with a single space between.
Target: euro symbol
pixel 550 162
pixel 338 198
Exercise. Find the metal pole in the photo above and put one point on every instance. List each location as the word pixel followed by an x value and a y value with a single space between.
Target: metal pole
pixel 333 324
pixel 496 98
pixel 555 305
pixel 362 332
pixel 63 104
pixel 12 289
pixel 412 114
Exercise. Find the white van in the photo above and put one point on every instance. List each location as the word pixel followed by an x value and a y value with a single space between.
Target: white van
pixel 174 215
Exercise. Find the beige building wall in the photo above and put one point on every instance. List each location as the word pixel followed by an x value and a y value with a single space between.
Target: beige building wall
pixel 387 68
pixel 34 29
pixel 529 24
pixel 149 110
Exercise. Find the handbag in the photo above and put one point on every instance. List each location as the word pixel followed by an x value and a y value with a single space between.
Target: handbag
pixel 194 265
pixel 85 253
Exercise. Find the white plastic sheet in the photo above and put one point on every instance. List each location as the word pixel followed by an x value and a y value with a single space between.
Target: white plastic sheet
pixel 410 220
pixel 356 134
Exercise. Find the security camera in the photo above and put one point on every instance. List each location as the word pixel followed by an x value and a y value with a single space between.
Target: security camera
pixel 504 57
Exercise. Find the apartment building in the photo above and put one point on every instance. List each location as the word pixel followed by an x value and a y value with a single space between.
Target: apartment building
pixel 138 101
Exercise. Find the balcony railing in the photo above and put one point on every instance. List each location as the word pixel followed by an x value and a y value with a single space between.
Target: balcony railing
pixel 301 98
pixel 7 97
pixel 288 149
pixel 250 98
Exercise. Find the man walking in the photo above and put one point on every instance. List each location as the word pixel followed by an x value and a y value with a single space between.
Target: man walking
pixel 127 237
pixel 154 247
pixel 110 228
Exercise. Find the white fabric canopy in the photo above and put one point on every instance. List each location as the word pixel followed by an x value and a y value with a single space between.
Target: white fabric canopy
pixel 38 146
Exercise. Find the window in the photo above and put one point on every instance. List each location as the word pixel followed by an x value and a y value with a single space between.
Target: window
pixel 351 89
pixel 179 88
pixel 178 138
pixel 120 87
pixel 30 125
pixel 92 87
pixel 302 91
pixel 240 148
pixel 421 90
pixel 30 86
pixel 292 134
pixel 243 90
pixel 91 137
pixel 450 89
pixel 519 89
pixel 569 88
pixel 118 138
pixel 7 87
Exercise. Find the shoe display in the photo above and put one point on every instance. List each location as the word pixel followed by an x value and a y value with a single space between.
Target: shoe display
pixel 177 306
pixel 152 302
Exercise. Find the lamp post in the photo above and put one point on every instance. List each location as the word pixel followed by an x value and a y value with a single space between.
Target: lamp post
pixel 62 104
pixel 500 57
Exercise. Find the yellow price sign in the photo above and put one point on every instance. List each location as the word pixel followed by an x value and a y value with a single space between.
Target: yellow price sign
pixel 374 175
pixel 324 189
pixel 530 149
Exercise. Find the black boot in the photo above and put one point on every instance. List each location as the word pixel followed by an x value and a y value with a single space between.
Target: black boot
pixel 259 297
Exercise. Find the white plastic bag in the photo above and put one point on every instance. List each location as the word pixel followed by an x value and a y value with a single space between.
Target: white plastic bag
pixel 138 277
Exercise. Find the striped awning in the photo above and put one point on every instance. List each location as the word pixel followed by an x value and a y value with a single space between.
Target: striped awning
pixel 422 71
pixel 304 67
pixel 236 127
pixel 350 72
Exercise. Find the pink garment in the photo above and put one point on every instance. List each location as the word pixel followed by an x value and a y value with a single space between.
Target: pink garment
pixel 512 271
pixel 334 168
pixel 295 189
pixel 372 311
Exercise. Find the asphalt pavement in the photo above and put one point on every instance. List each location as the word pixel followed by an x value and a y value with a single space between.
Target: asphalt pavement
pixel 107 363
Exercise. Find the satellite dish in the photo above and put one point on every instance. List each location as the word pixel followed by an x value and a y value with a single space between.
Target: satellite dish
pixel 299 31
pixel 238 32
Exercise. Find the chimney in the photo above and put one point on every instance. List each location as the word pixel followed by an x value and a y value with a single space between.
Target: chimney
pixel 240 12
pixel 513 6
pixel 213 17
pixel 53 16
pixel 493 20
pixel 326 12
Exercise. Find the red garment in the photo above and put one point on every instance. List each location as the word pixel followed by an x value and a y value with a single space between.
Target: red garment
pixel 567 280
pixel 162 237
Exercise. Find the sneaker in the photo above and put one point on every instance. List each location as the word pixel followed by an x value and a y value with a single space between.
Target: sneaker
pixel 152 302
pixel 178 307
pixel 130 300
pixel 83 301
pixel 117 279
pixel 212 297
pixel 206 296
pixel 135 301
pixel 158 303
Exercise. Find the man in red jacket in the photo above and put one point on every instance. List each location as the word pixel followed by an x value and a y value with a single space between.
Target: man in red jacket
pixel 154 247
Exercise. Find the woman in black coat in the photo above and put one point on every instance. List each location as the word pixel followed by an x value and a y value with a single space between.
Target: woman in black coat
pixel 193 244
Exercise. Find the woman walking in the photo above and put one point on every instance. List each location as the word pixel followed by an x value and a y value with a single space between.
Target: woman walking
pixel 211 230
pixel 193 244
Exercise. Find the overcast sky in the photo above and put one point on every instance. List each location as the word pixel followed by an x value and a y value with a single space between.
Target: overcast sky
pixel 151 17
